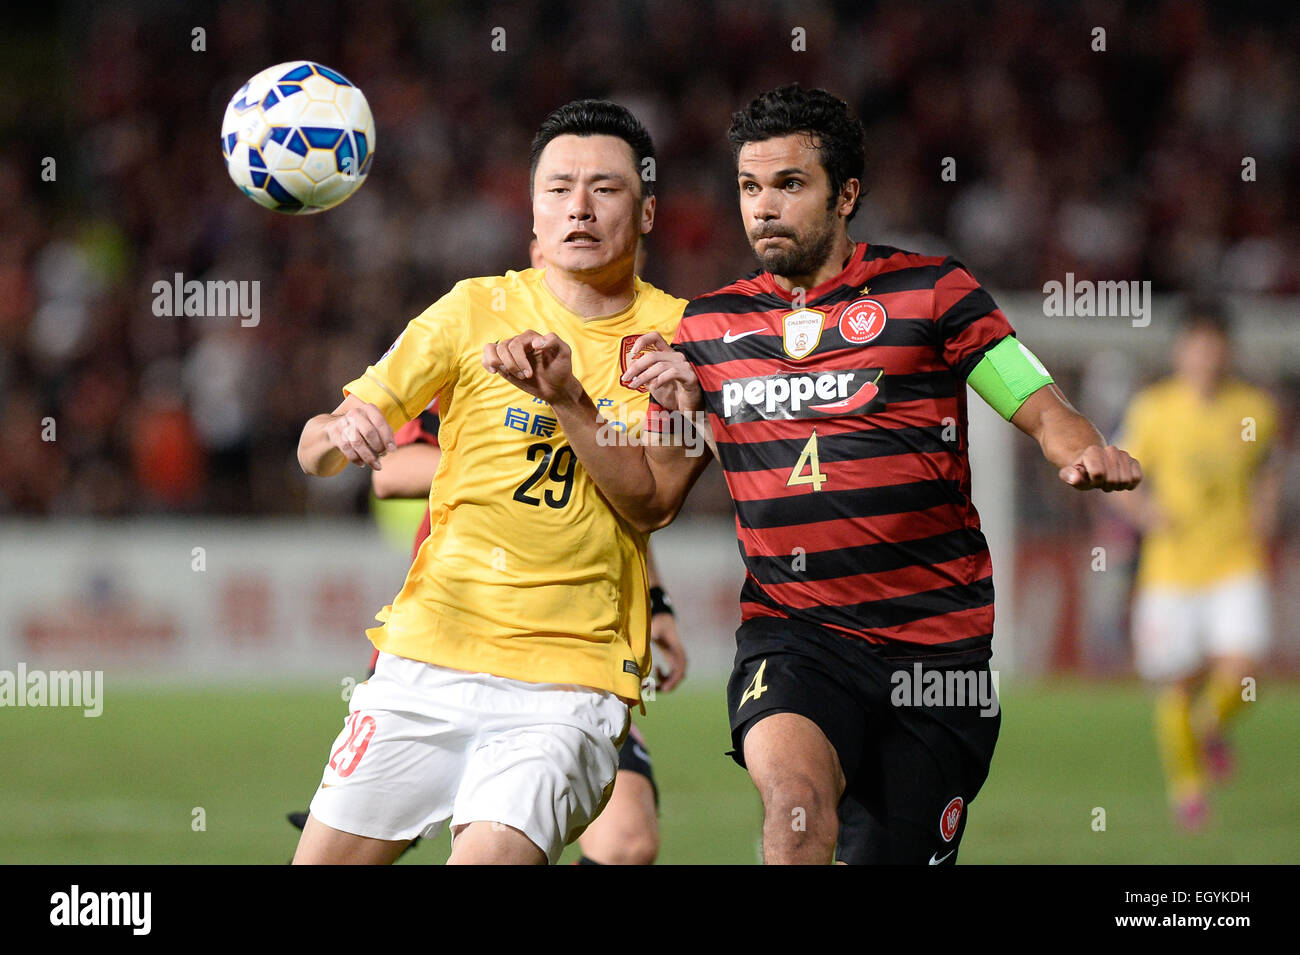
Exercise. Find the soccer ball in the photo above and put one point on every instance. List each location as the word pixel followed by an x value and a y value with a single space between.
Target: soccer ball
pixel 298 138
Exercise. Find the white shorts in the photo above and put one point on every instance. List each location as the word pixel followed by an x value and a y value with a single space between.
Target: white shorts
pixel 1176 630
pixel 423 744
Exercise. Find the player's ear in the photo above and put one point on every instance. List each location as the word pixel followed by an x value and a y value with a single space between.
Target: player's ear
pixel 647 214
pixel 849 194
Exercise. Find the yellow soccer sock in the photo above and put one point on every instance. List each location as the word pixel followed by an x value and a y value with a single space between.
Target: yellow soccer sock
pixel 1222 700
pixel 1177 744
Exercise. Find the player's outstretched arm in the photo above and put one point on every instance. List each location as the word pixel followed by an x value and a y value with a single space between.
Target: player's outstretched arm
pixel 355 432
pixel 407 472
pixel 645 485
pixel 1074 445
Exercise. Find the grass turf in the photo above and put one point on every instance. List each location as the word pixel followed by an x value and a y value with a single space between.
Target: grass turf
pixel 125 787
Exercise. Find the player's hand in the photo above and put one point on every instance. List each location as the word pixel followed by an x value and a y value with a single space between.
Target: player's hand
pixel 362 435
pixel 671 379
pixel 1105 469
pixel 669 650
pixel 540 365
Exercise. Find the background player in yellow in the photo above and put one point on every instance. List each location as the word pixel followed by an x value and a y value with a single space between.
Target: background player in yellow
pixel 1201 613
pixel 521 634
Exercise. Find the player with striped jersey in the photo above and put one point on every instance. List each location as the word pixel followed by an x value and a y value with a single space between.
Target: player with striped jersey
pixel 833 381
pixel 510 656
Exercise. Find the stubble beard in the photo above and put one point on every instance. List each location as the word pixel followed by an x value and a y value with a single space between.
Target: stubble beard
pixel 802 258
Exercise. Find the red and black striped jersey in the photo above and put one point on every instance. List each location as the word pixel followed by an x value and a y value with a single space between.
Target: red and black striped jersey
pixel 840 422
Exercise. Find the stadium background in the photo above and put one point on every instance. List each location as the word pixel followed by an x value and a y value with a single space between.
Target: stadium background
pixel 167 537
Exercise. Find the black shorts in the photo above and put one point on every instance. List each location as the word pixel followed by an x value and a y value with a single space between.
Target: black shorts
pixel 914 734
pixel 633 757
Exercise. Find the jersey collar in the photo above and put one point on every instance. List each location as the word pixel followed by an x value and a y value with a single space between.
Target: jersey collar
pixel 623 312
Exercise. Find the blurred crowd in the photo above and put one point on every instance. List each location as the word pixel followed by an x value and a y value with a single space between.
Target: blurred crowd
pixel 1122 163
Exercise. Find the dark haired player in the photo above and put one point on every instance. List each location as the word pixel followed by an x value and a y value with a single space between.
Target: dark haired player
pixel 510 656
pixel 834 384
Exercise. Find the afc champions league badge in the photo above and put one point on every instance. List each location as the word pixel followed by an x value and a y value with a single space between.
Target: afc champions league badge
pixel 862 321
pixel 801 331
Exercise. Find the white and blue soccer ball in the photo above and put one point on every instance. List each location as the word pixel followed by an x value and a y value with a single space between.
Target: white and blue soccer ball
pixel 298 138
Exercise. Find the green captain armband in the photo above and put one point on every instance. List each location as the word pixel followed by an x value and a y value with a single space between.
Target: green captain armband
pixel 1007 375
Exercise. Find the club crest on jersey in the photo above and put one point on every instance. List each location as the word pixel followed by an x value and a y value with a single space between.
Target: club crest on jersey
pixel 625 355
pixel 802 330
pixel 950 817
pixel 862 321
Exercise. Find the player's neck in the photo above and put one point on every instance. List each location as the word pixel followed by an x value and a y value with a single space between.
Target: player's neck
pixel 833 265
pixel 591 296
pixel 1205 388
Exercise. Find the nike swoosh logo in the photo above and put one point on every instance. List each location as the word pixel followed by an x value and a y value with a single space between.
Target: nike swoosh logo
pixel 934 861
pixel 728 338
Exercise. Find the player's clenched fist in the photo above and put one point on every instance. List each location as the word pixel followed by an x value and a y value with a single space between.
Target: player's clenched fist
pixel 1104 469
pixel 362 435
pixel 669 376
pixel 541 365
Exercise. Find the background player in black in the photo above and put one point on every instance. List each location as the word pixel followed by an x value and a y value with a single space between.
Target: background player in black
pixel 812 715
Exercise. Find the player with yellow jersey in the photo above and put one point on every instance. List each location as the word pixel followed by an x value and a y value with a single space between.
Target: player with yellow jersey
pixel 510 656
pixel 521 544
pixel 1201 614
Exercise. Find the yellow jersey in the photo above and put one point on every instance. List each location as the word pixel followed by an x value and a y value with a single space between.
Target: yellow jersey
pixel 526 573
pixel 1199 459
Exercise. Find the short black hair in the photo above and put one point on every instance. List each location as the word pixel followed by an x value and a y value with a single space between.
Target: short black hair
pixel 1206 314
pixel 791 109
pixel 597 117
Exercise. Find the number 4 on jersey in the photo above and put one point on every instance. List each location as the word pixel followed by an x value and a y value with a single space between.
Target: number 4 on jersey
pixel 808 457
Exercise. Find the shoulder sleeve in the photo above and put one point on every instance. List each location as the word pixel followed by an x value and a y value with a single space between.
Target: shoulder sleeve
pixel 420 364
pixel 967 321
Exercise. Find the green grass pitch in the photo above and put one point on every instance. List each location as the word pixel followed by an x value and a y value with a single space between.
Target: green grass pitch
pixel 125 787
